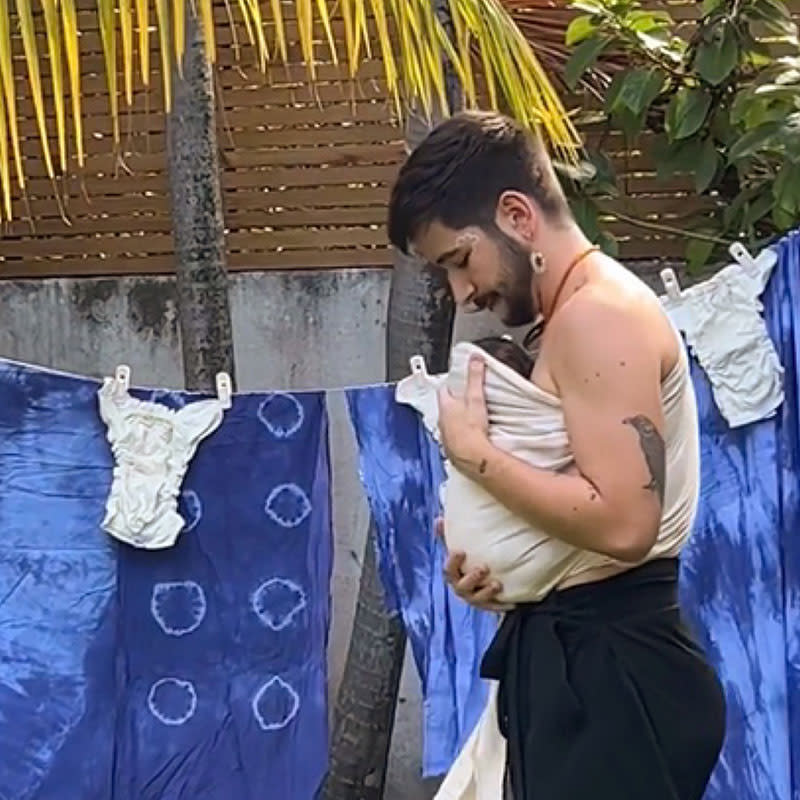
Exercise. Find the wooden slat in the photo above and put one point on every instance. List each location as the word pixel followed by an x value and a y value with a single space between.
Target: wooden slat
pixel 165 264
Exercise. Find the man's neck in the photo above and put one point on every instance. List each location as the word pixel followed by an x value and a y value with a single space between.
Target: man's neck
pixel 559 251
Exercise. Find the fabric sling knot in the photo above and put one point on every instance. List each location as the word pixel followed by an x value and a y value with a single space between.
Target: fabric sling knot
pixel 566 668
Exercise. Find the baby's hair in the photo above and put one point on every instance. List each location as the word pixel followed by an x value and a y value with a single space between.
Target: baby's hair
pixel 508 352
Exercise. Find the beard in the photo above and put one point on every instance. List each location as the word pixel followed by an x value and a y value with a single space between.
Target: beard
pixel 514 299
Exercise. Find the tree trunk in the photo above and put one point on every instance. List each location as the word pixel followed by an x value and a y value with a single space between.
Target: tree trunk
pixel 197 219
pixel 420 320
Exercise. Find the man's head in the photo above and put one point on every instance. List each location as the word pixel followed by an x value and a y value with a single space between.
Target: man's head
pixel 478 197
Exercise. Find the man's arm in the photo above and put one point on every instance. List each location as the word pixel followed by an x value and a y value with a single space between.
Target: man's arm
pixel 608 373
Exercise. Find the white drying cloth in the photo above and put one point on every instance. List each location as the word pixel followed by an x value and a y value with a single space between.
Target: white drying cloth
pixel 724 327
pixel 152 448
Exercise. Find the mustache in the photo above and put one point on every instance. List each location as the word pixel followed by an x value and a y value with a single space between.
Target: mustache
pixel 476 303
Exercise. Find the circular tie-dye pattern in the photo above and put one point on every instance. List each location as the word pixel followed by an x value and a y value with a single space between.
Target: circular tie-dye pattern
pixel 287 505
pixel 172 701
pixel 281 414
pixel 191 509
pixel 178 607
pixel 277 602
pixel 275 704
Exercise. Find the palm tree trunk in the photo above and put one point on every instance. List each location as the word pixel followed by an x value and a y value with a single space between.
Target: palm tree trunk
pixel 197 219
pixel 420 320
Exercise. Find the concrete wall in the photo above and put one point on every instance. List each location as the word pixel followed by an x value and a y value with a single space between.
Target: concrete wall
pixel 292 331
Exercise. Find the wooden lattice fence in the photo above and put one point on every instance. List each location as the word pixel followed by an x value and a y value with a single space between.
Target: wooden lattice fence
pixel 306 172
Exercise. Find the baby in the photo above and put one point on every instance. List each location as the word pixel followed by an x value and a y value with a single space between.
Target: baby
pixel 525 421
pixel 508 352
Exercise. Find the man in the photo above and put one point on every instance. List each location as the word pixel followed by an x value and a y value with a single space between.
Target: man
pixel 603 693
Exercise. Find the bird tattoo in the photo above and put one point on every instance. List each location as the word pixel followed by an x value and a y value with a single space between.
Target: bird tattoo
pixel 652 445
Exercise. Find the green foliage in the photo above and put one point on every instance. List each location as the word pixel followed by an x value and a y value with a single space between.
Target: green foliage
pixel 724 110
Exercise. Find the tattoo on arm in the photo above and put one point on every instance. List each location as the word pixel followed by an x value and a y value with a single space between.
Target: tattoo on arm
pixel 652 445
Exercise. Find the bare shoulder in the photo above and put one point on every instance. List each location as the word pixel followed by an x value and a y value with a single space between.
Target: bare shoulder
pixel 614 324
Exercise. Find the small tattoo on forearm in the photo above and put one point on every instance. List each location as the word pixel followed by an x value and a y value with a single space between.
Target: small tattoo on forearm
pixel 652 444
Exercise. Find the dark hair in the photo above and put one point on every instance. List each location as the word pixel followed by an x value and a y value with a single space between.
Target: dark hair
pixel 509 353
pixel 458 172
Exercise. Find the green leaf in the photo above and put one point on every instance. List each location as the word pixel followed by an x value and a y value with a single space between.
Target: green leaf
pixel 710 6
pixel 608 243
pixel 648 21
pixel 614 89
pixel 589 6
pixel 586 215
pixel 783 219
pixel 717 58
pixel 579 29
pixel 698 251
pixel 629 123
pixel 640 87
pixel 583 57
pixel 707 166
pixel 754 140
pixel 687 112
pixel 786 191
pixel 774 15
pixel 758 209
pixel 682 156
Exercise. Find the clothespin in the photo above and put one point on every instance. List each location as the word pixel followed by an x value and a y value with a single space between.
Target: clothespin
pixel 670 281
pixel 742 257
pixel 225 389
pixel 122 379
pixel 419 369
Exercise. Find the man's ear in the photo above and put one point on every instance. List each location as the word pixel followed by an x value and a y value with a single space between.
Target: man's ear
pixel 517 216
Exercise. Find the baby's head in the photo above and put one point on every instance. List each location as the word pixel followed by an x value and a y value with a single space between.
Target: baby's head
pixel 508 352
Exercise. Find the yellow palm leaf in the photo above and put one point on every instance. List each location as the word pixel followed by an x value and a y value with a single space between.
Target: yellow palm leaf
pixel 34 77
pixel 179 31
pixel 162 17
pixel 7 80
pixel 5 177
pixel 486 48
pixel 143 22
pixel 126 25
pixel 53 28
pixel 108 37
pixel 69 21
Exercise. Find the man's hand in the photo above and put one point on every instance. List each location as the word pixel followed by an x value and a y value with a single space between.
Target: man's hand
pixel 464 421
pixel 475 587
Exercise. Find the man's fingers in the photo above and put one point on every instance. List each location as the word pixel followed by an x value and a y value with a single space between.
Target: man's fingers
pixel 453 567
pixel 472 582
pixel 475 378
pixel 486 594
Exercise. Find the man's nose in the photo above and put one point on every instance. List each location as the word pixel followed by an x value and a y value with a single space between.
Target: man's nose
pixel 461 288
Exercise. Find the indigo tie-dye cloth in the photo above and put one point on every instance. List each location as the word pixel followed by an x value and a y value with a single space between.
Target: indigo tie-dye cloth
pixel 740 579
pixel 401 470
pixel 194 672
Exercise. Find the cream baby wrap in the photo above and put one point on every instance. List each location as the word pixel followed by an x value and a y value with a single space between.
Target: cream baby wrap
pixel 524 422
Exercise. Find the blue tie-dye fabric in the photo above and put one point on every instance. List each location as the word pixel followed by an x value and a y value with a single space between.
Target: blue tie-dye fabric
pixel 740 579
pixel 193 672
pixel 401 469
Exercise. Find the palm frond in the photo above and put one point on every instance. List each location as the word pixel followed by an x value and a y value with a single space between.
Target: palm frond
pixel 487 49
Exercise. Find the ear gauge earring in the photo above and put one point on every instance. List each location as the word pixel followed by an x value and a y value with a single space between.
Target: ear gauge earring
pixel 537 263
